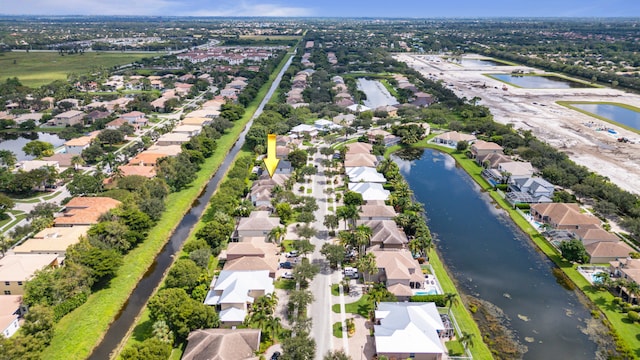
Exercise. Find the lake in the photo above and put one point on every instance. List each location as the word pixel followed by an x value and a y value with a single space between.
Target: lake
pixel 539 82
pixel 377 94
pixel 481 62
pixel 614 113
pixel 493 260
pixel 16 141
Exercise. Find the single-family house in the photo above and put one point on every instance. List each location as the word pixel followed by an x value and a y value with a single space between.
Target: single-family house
pixel 358 160
pixel 563 216
pixel 136 170
pixel 10 312
pixel 146 158
pixel 284 168
pixel 85 210
pixel 516 169
pixel 261 195
pixel 605 251
pixel 491 161
pixel 326 125
pixel 259 223
pixel 222 344
pixel 422 99
pixel 252 255
pixel 53 240
pixel 359 148
pixel 304 129
pixel 593 233
pixel 391 110
pixel 16 269
pixel 376 210
pixel 387 138
pixel 385 234
pixel 191 130
pixel 344 119
pixel 530 190
pixel 370 191
pixel 173 139
pixel 358 108
pixel 452 138
pixel 483 148
pixel 29 165
pixel 166 150
pixel 365 174
pixel 197 121
pixel 63 160
pixel 409 331
pixel 282 151
pixel 628 269
pixel 232 292
pixel 116 124
pixel 68 118
pixel 77 145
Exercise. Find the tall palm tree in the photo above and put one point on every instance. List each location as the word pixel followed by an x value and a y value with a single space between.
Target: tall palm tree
pixel 77 161
pixel 362 237
pixel 450 299
pixel 277 234
pixel 466 339
pixel 633 289
pixel 367 266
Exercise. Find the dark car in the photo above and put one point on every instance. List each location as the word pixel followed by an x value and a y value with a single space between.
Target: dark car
pixel 286 265
pixel 276 355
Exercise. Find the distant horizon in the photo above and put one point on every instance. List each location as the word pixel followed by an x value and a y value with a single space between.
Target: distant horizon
pixel 399 9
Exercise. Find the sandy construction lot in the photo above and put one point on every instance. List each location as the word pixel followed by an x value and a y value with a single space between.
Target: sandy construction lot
pixel 536 110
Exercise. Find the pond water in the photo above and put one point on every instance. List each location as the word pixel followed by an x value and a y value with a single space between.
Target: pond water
pixel 16 141
pixel 481 62
pixel 377 94
pixel 539 82
pixel 493 260
pixel 614 113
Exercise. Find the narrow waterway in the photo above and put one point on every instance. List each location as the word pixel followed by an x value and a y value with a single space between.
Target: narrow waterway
pixel 493 260
pixel 140 295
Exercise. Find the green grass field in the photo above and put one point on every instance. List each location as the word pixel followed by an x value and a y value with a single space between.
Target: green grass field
pixel 35 69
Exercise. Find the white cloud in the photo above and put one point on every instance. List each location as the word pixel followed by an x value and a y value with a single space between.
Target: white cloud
pixel 250 8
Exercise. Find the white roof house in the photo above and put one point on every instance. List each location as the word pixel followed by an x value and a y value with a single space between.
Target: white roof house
pixel 370 191
pixel 365 174
pixel 304 129
pixel 323 124
pixel 408 328
pixel 232 291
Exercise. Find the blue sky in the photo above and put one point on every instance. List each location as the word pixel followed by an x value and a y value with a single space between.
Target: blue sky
pixel 329 8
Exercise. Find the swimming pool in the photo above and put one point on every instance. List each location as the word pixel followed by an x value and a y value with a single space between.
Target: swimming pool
pixel 428 292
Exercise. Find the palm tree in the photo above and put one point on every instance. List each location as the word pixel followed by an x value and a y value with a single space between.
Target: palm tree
pixel 362 237
pixel 277 234
pixel 331 221
pixel 633 289
pixel 466 339
pixel 77 161
pixel 450 299
pixel 367 266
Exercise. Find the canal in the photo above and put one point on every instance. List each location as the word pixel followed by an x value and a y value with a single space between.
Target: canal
pixel 141 294
pixel 494 261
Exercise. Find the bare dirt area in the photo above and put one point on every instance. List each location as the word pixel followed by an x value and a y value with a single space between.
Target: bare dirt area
pixel 537 110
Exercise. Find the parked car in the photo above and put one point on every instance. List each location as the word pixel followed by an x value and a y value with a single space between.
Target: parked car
pixel 276 355
pixel 286 265
pixel 287 275
pixel 351 272
pixel 292 254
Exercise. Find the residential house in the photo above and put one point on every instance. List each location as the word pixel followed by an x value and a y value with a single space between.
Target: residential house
pixel 284 168
pixel 232 292
pixel 530 190
pixel 135 170
pixel 376 210
pixel 222 344
pixel 516 169
pixel 261 195
pixel 10 312
pixel 593 233
pixel 605 251
pixel 358 160
pixel 365 174
pixel 77 145
pixel 191 130
pixel 491 161
pixel 452 138
pixel 166 150
pixel 53 240
pixel 304 129
pixel 63 160
pixel 481 148
pixel 197 121
pixel 358 108
pixel 385 234
pixel 628 269
pixel 422 99
pixel 326 125
pixel 116 124
pixel 29 165
pixel 282 151
pixel 409 331
pixel 68 118
pixel 135 118
pixel 359 148
pixel 370 191
pixel 344 119
pixel 147 158
pixel 253 253
pixel 388 138
pixel 259 223
pixel 85 210
pixel 173 139
pixel 563 216
pixel 391 110
pixel 16 269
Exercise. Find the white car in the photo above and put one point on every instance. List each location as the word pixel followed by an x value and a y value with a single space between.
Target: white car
pixel 292 254
pixel 287 275
pixel 351 272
